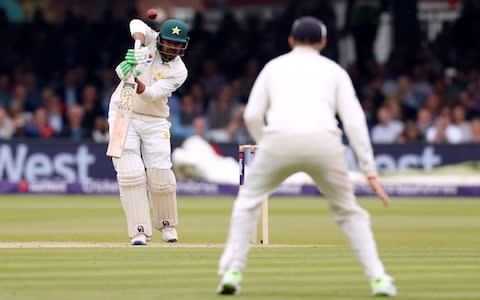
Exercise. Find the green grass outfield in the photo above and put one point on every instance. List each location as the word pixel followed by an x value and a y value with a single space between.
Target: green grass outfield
pixel 75 247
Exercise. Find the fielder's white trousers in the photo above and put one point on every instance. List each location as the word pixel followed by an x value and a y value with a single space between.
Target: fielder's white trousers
pixel 322 156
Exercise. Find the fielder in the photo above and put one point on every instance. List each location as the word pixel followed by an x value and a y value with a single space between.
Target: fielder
pixel 299 94
pixel 144 168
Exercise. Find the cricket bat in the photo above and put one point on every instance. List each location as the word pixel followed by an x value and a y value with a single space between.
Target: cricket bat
pixel 122 118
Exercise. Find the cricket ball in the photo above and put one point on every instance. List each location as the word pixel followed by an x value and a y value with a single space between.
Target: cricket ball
pixel 152 14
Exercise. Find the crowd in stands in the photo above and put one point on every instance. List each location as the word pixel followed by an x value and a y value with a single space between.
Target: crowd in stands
pixel 56 79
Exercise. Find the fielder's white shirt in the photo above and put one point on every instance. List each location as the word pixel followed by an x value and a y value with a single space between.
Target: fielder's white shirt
pixel 300 92
pixel 161 79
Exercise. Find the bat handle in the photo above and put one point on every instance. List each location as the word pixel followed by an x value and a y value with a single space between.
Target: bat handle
pixel 138 44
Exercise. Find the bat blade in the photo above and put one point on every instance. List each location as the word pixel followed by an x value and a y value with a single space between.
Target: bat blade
pixel 122 120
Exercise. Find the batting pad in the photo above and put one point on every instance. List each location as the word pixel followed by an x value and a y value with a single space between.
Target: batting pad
pixel 132 183
pixel 162 187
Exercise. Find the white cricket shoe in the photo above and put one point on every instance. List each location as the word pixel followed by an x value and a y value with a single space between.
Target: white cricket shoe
pixel 383 287
pixel 139 240
pixel 169 234
pixel 230 283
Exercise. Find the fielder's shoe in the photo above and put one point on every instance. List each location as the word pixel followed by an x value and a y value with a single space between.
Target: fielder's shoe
pixel 230 283
pixel 139 240
pixel 169 234
pixel 383 287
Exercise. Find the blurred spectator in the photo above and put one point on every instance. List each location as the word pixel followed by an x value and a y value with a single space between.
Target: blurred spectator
pixel 475 92
pixel 182 120
pixel 443 132
pixel 424 120
pixel 70 89
pixel 475 129
pixel 467 102
pixel 421 87
pixel 440 89
pixel 221 112
pixel 455 81
pixel 91 107
pixel 34 98
pixel 410 133
pixel 73 129
pixel 387 130
pixel 409 101
pixel 433 105
pixel 212 80
pixel 459 121
pixel 199 96
pixel 393 104
pixel 19 98
pixel 200 127
pixel 38 125
pixel 369 110
pixel 237 129
pixel 55 115
pixel 6 125
pixel 108 79
pixel 100 130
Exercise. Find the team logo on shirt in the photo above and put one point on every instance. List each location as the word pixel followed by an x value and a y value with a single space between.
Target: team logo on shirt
pixel 166 135
pixel 158 75
pixel 149 59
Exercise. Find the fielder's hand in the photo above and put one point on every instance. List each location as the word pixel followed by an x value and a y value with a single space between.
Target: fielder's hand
pixel 378 189
pixel 137 56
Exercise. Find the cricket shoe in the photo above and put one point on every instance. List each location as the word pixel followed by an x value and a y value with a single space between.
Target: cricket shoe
pixel 383 287
pixel 230 283
pixel 169 234
pixel 139 240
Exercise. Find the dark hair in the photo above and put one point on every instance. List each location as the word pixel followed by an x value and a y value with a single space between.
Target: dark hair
pixel 309 30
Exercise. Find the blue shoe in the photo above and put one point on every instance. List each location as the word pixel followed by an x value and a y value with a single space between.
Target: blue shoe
pixel 383 287
pixel 230 283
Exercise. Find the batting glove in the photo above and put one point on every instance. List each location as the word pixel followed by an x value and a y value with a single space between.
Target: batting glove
pixel 137 56
pixel 125 69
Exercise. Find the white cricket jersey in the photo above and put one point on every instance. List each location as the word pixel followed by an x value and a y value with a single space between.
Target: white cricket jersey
pixel 301 92
pixel 161 79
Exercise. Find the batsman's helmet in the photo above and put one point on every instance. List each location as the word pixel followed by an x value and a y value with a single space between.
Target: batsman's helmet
pixel 175 31
pixel 308 30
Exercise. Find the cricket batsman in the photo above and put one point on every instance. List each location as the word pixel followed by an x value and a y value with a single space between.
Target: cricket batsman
pixel 144 168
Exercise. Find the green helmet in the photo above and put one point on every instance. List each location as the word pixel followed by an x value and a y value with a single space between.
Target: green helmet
pixel 174 31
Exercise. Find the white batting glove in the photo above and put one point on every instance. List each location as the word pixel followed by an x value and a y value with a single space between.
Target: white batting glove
pixel 137 56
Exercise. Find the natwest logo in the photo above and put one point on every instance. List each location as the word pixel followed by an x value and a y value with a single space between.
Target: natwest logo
pixel 20 164
pixel 427 159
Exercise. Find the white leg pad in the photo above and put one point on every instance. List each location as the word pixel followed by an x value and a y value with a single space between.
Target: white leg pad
pixel 132 184
pixel 162 187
